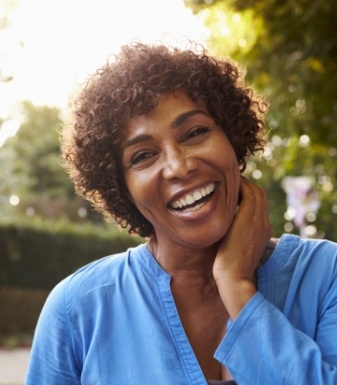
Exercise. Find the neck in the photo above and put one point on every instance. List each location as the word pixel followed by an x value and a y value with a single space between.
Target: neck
pixel 188 267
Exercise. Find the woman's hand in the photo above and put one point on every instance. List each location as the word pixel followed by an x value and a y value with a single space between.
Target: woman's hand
pixel 241 249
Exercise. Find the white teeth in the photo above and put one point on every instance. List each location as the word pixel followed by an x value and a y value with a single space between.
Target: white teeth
pixel 193 208
pixel 191 198
pixel 197 195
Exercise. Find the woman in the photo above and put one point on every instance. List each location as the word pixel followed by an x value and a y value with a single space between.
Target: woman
pixel 158 143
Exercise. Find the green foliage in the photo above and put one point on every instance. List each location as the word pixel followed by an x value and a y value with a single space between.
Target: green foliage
pixel 20 309
pixel 36 149
pixel 38 254
pixel 31 169
pixel 290 51
pixel 6 7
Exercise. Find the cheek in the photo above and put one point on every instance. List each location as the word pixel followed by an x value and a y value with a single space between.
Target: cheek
pixel 140 189
pixel 130 189
pixel 236 188
pixel 127 186
pixel 233 179
pixel 237 174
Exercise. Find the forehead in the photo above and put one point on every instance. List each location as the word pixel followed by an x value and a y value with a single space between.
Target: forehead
pixel 172 110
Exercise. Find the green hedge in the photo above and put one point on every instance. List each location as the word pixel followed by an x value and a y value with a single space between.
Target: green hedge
pixel 19 312
pixel 34 256
pixel 38 254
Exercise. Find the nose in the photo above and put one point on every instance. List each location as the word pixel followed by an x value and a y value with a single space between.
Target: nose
pixel 179 163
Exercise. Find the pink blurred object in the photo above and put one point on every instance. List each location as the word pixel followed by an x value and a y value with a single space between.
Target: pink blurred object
pixel 302 198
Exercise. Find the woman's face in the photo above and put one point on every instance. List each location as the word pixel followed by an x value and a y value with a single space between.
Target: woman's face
pixel 181 172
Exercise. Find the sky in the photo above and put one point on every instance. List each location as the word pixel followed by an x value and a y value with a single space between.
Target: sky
pixel 50 46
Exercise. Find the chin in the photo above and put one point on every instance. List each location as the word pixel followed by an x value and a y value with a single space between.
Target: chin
pixel 206 240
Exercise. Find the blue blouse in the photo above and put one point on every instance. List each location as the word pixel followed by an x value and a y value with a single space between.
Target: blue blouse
pixel 114 322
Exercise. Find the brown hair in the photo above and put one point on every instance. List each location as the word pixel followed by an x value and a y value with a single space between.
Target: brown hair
pixel 131 85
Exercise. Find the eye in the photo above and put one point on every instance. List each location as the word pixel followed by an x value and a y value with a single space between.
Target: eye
pixel 198 131
pixel 140 157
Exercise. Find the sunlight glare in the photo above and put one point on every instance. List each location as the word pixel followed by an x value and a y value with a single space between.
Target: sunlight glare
pixel 59 42
pixel 14 200
pixel 9 128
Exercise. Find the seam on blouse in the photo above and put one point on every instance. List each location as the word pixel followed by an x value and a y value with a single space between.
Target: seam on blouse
pixel 189 375
pixel 170 329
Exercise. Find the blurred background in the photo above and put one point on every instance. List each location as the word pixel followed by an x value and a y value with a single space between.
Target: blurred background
pixel 47 49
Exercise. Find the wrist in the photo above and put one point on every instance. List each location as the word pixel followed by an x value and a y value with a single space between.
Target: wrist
pixel 235 293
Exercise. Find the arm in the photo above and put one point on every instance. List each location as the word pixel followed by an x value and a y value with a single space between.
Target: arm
pixel 239 254
pixel 261 345
pixel 52 360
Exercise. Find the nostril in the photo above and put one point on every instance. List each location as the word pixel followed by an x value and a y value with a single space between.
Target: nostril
pixel 178 168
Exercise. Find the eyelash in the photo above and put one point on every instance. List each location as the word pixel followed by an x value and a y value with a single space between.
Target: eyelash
pixel 143 155
pixel 198 131
pixel 140 156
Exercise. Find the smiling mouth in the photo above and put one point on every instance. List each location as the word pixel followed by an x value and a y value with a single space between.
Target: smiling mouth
pixel 194 200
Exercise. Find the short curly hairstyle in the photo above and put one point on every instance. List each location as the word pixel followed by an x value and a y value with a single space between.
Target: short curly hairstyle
pixel 130 85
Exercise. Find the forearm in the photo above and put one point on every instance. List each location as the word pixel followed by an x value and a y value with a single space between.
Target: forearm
pixel 235 293
pixel 262 347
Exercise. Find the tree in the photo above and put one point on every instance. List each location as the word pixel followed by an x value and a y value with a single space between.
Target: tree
pixel 6 7
pixel 36 148
pixel 290 50
pixel 33 171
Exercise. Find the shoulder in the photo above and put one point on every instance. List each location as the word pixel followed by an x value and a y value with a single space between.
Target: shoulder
pixel 96 276
pixel 290 246
pixel 311 258
pixel 90 299
pixel 313 250
pixel 107 270
pixel 300 270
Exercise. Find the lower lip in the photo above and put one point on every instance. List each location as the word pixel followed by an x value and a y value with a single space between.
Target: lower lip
pixel 200 213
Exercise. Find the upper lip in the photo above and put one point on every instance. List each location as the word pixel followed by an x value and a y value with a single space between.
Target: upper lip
pixel 189 197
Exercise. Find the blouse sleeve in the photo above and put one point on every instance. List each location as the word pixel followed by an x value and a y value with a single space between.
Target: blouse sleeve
pixel 52 360
pixel 262 347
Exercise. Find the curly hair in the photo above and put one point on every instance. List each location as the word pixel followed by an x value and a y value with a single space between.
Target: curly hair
pixel 130 85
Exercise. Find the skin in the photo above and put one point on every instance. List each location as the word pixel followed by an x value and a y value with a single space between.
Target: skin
pixel 171 152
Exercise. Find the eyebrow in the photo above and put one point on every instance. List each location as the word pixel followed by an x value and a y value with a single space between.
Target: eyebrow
pixel 137 139
pixel 185 116
pixel 181 119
